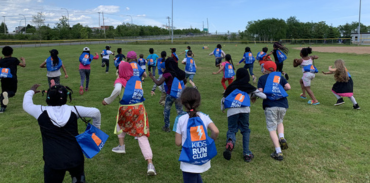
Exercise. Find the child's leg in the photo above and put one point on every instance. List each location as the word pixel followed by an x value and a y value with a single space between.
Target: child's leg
pixel 243 124
pixel 310 93
pixel 191 78
pixel 167 110
pixel 271 114
pixel 223 83
pixel 154 68
pixel 338 97
pixel 82 76
pixel 87 78
pixel 232 124
pixel 162 100
pixel 192 83
pixel 145 148
pixel 230 80
pixel 107 65
pixel 191 177
pixel 121 138
pixel 178 106
pixel 353 100
pixel 303 88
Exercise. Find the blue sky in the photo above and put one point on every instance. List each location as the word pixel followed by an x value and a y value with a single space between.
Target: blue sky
pixel 223 16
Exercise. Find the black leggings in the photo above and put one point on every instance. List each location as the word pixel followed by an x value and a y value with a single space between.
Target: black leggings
pixel 279 66
pixel 56 176
pixel 9 86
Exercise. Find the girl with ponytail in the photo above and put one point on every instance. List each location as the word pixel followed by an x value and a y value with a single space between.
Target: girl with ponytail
pixel 228 60
pixel 53 65
pixel 279 66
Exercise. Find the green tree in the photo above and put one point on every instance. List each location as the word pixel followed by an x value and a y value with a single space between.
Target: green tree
pixel 2 25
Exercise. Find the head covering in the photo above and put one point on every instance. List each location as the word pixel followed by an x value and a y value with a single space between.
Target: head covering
pixel 124 73
pixel 173 68
pixel 173 49
pixel 86 49
pixel 270 66
pixel 241 83
pixel 131 55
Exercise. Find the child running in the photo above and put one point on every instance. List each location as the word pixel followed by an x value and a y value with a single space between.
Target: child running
pixel 105 58
pixel 8 76
pixel 132 117
pixel 142 64
pixel 309 70
pixel 174 55
pixel 228 68
pixel 344 84
pixel 152 60
pixel 190 68
pixel 84 68
pixel 279 65
pixel 275 105
pixel 219 55
pixel 118 58
pixel 249 61
pixel 171 73
pixel 236 100
pixel 264 58
pixel 53 65
pixel 193 127
pixel 161 68
pixel 188 48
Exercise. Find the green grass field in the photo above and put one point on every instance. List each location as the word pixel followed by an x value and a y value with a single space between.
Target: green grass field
pixel 327 143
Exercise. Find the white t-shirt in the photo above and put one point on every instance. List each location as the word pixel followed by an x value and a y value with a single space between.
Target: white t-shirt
pixel 181 129
pixel 107 56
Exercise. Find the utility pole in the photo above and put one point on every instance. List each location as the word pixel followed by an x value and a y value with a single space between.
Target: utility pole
pixel 359 24
pixel 67 15
pixel 4 25
pixel 169 24
pixel 172 24
pixel 203 26
pixel 25 24
pixel 104 25
pixel 207 26
pixel 131 19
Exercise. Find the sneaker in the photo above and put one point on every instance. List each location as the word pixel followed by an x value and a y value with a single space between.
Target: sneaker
pixel 286 76
pixel 248 157
pixel 103 64
pixel 119 149
pixel 302 97
pixel 81 90
pixel 2 110
pixel 356 106
pixel 86 89
pixel 5 98
pixel 106 72
pixel 254 79
pixel 313 103
pixel 277 156
pixel 228 150
pixel 151 169
pixel 339 102
pixel 283 143
pixel 166 129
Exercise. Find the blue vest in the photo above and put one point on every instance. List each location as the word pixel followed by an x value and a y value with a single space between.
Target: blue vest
pixel 176 88
pixel 118 60
pixel 50 66
pixel 229 71
pixel 133 93
pixel 281 56
pixel 105 53
pixel 5 73
pixel 190 65
pixel 85 60
pixel 249 59
pixel 237 99
pixel 217 52
pixel 138 71
pixel 310 68
pixel 159 66
pixel 198 147
pixel 260 55
pixel 349 75
pixel 174 53
pixel 141 61
pixel 273 88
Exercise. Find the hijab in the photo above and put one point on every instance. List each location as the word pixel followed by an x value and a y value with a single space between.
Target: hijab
pixel 172 67
pixel 124 73
pixel 241 83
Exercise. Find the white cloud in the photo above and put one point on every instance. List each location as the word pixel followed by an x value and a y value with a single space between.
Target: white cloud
pixel 143 15
pixel 127 8
pixel 107 9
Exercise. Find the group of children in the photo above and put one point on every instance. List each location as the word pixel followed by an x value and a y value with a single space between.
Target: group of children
pixel 190 125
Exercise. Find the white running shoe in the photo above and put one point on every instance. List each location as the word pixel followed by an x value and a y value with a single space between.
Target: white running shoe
pixel 151 169
pixel 5 98
pixel 119 149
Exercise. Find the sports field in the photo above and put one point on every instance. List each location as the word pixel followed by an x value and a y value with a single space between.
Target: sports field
pixel 327 143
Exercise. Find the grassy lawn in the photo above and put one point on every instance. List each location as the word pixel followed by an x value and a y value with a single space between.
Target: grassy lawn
pixel 327 143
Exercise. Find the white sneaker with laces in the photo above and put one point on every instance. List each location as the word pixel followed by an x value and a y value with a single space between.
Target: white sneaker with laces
pixel 5 98
pixel 119 149
pixel 151 169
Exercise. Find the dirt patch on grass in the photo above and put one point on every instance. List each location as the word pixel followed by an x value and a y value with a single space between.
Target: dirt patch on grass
pixel 356 50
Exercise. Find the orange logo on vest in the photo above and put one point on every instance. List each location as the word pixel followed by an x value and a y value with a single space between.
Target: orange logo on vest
pixel 230 67
pixel 197 133
pixel 86 56
pixel 312 67
pixel 277 79
pixel 191 61
pixel 240 97
pixel 250 54
pixel 4 70
pixel 133 65
pixel 96 139
pixel 138 85
pixel 180 87
pixel 151 60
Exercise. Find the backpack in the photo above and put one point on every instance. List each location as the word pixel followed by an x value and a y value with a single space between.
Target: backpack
pixel 133 93
pixel 5 73
pixel 217 52
pixel 260 55
pixel 273 88
pixel 198 147
pixel 118 60
pixel 281 56
pixel 236 99
pixel 176 88
pixel 104 53
pixel 85 60
pixel 249 59
pixel 229 71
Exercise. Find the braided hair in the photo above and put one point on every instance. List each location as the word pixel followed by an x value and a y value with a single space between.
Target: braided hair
pixel 228 58
pixel 57 95
pixel 190 99
pixel 54 55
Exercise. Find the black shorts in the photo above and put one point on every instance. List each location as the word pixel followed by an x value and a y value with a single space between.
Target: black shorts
pixel 218 61
pixel 56 176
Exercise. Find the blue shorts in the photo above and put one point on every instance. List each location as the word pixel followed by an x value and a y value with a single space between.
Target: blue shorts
pixel 190 76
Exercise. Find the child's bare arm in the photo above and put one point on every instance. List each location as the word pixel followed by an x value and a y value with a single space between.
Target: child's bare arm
pixel 287 87
pixel 178 139
pixel 214 131
pixel 332 69
pixel 23 63
pixel 218 72
pixel 43 65
pixel 65 71
pixel 314 57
